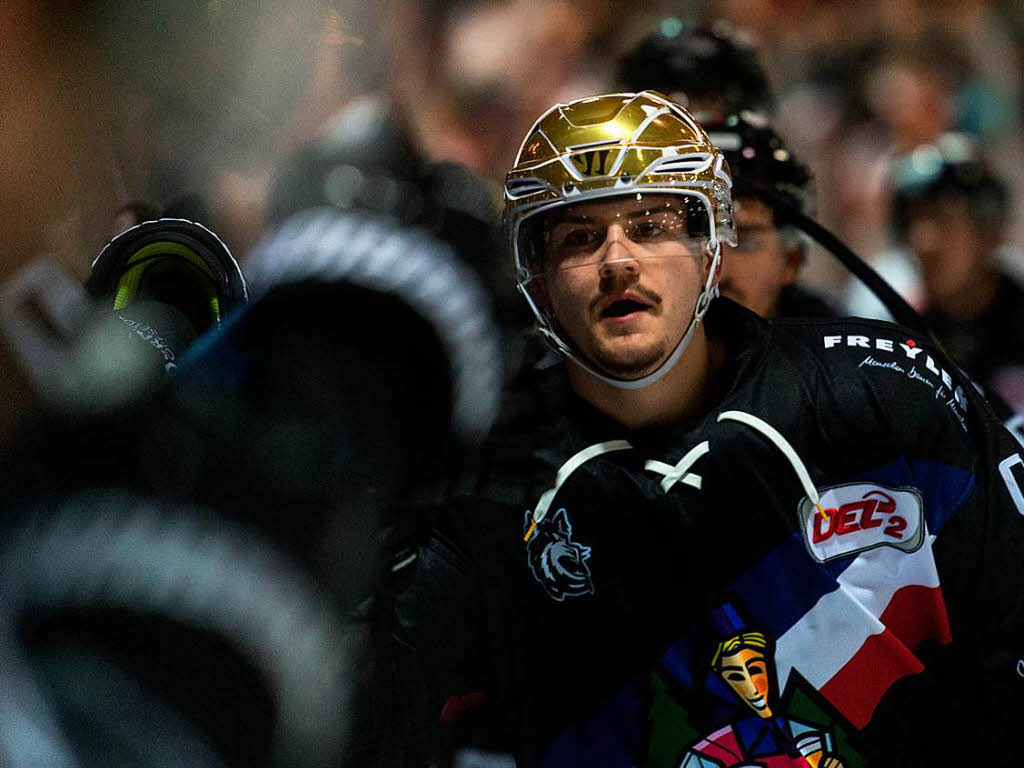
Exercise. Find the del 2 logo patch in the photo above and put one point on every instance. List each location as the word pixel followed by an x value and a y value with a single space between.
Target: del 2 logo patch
pixel 862 516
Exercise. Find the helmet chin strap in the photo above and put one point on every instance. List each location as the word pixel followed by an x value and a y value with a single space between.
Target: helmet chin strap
pixel 707 294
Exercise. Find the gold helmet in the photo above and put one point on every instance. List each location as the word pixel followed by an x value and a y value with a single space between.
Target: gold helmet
pixel 615 145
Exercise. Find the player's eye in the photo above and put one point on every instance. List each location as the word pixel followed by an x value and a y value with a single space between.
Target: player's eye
pixel 647 230
pixel 570 240
pixel 658 226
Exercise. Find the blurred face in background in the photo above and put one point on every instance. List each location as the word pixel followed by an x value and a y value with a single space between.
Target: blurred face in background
pixel 761 265
pixel 913 99
pixel 950 245
pixel 475 74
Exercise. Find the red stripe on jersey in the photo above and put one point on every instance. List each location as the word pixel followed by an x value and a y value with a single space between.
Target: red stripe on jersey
pixel 914 614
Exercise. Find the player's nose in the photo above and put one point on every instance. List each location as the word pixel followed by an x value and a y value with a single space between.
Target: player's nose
pixel 618 256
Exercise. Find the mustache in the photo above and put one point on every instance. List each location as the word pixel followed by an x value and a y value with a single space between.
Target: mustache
pixel 643 291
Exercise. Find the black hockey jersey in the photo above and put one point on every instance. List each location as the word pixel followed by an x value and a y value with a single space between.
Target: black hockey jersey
pixel 826 568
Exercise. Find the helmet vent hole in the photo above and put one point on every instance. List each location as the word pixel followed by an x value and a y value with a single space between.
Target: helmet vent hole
pixel 690 163
pixel 522 187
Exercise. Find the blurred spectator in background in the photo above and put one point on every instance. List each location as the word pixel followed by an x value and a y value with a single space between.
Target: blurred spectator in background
pixel 912 90
pixel 951 211
pixel 473 75
pixel 842 72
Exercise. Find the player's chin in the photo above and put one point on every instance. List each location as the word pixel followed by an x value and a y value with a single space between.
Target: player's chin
pixel 630 361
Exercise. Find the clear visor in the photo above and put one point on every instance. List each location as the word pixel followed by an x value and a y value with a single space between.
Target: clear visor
pixel 639 227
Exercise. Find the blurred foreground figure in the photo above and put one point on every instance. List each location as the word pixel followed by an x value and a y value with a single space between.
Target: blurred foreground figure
pixel 192 586
pixel 87 352
pixel 186 555
pixel 700 538
pixel 367 160
pixel 951 211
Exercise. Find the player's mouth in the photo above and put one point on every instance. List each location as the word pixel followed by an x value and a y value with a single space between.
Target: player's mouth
pixel 758 703
pixel 623 307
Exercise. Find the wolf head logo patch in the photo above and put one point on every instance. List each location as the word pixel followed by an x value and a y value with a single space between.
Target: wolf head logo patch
pixel 556 561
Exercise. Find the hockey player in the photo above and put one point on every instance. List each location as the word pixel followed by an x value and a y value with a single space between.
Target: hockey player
pixel 834 488
pixel 761 271
pixel 951 211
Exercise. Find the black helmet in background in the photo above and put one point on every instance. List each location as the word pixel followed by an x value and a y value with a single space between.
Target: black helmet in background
pixel 712 69
pixel 950 166
pixel 761 163
pixel 367 160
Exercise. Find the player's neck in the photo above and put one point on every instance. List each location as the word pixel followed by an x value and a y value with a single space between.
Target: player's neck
pixel 972 300
pixel 680 394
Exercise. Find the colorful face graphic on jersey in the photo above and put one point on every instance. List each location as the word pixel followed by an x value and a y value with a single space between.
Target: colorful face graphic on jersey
pixel 742 665
pixel 763 734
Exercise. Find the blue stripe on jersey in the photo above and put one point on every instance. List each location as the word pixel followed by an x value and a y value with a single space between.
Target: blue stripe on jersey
pixel 610 737
pixel 944 488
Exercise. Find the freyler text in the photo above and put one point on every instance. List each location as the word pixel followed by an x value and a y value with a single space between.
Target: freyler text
pixel 911 361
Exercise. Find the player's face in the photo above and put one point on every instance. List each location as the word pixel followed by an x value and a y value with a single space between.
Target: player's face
pixel 760 266
pixel 746 672
pixel 949 246
pixel 622 277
